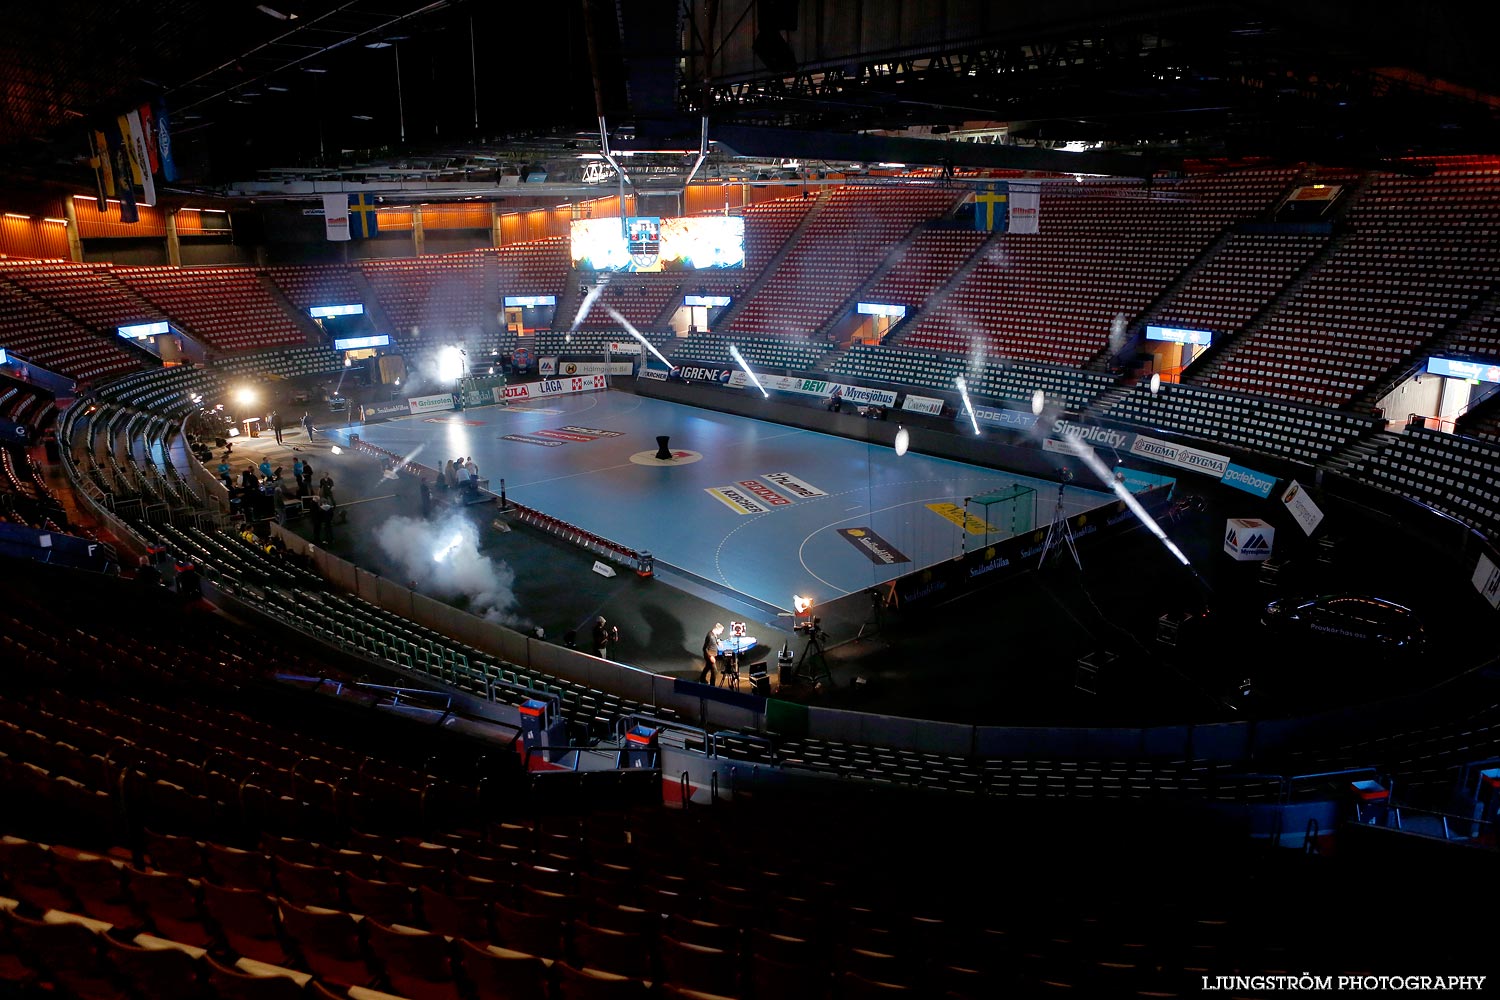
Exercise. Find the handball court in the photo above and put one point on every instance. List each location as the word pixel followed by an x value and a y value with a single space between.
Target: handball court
pixel 750 509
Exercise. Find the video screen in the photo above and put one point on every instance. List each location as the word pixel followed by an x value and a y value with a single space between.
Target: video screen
pixel 648 243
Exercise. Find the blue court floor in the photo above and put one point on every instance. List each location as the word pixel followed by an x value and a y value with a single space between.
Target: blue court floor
pixel 759 508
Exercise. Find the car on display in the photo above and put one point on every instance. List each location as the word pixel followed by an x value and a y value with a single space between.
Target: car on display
pixel 1347 619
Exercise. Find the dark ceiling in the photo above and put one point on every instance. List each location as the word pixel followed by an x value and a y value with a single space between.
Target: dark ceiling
pixel 320 82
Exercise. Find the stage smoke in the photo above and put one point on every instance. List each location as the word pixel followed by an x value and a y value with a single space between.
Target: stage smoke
pixel 1117 327
pixel 444 560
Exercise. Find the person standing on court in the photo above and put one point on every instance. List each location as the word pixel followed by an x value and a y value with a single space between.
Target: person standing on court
pixel 276 424
pixel 710 654
pixel 307 425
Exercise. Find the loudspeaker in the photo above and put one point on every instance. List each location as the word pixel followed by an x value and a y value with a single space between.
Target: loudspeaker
pixel 773 50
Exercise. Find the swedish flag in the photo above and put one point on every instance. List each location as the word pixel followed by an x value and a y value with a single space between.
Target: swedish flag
pixel 989 208
pixel 362 218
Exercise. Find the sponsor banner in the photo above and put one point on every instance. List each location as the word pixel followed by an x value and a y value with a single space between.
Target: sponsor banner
pixel 592 368
pixel 564 436
pixel 531 439
pixel 425 404
pixel 697 373
pixel 1174 335
pixel 375 411
pixel 1025 207
pixel 141 157
pixel 736 500
pixel 563 386
pixel 1014 419
pixel 1135 480
pixel 816 387
pixel 14 433
pixel 546 367
pixel 922 404
pixel 624 347
pixel 1257 483
pixel 970 523
pixel 875 548
pixel 653 374
pixel 1061 448
pixel 792 486
pixel 764 492
pixel 593 432
pixel 868 397
pixel 336 217
pixel 1487 580
pixel 1301 506
pixel 1247 539
pixel 512 393
pixel 1180 456
pixel 1478 371
pixel 1099 437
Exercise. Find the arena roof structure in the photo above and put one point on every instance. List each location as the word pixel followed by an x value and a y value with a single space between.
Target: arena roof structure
pixel 433 88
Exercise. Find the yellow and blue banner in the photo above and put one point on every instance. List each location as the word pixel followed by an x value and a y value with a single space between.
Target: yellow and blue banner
pixel 991 202
pixel 363 224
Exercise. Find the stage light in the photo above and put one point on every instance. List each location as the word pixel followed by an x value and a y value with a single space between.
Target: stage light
pixel 802 605
pixel 734 352
pixel 1038 402
pixel 337 450
pixel 903 440
pixel 348 363
pixel 963 391
pixel 448 548
pixel 451 364
pixel 246 396
pixel 637 335
pixel 1082 449
pixel 1155 384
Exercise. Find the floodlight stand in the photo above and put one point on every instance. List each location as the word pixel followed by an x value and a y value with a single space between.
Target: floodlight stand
pixel 1060 532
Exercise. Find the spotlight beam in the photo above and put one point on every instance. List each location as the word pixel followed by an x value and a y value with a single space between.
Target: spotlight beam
pixel 734 352
pixel 1082 449
pixel 637 335
pixel 963 391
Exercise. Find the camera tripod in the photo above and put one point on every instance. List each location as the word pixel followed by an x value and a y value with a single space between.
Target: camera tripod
pixel 812 665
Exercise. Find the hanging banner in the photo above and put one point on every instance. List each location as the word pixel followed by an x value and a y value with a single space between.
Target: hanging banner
pixel 1025 207
pixel 990 204
pixel 140 158
pixel 336 217
pixel 164 143
pixel 1300 505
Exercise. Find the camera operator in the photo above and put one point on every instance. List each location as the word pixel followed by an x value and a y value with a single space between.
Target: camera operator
pixel 711 653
